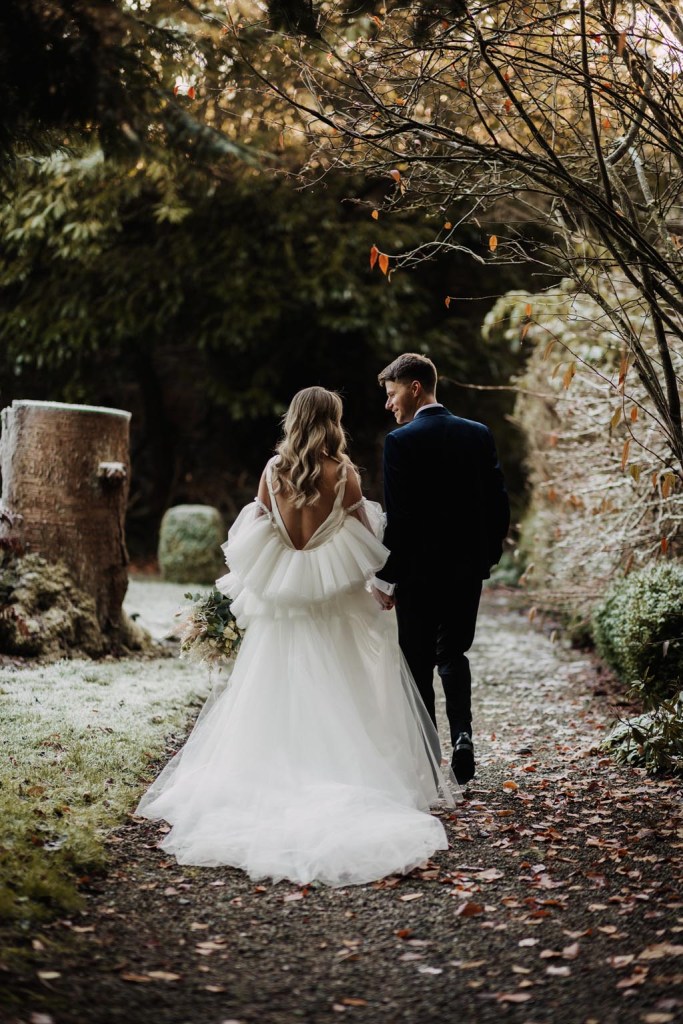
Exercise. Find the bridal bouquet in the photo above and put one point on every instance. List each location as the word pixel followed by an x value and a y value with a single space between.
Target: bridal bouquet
pixel 208 631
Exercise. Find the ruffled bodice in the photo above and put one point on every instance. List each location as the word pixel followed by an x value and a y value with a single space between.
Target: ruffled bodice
pixel 266 570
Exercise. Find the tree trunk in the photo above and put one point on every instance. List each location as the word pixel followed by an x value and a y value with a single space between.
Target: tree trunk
pixel 65 471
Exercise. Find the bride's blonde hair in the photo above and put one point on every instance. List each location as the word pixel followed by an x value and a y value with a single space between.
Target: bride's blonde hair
pixel 312 430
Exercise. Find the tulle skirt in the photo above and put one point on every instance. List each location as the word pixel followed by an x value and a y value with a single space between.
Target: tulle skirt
pixel 315 760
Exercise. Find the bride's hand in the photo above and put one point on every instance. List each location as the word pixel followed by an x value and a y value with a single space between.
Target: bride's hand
pixel 385 601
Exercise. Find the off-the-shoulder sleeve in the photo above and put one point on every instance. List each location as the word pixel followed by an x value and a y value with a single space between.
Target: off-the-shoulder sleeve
pixel 265 571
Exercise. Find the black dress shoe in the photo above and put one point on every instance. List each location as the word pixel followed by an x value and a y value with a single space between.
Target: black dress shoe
pixel 462 761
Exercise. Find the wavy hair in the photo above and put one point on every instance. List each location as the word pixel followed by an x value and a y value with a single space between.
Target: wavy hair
pixel 311 430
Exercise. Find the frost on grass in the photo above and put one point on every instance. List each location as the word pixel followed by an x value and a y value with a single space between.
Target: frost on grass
pixel 78 741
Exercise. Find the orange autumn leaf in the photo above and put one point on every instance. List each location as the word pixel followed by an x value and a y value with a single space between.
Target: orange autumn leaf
pixel 621 43
pixel 469 909
pixel 623 368
pixel 374 253
pixel 525 331
pixel 493 243
pixel 447 226
pixel 447 301
pixel 568 375
pixel 667 485
pixel 508 105
pixel 375 214
pixel 527 309
pixel 624 454
pixel 395 174
pixel 664 545
pixel 383 262
pixel 634 414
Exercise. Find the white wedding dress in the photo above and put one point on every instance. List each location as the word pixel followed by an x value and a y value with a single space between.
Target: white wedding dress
pixel 317 760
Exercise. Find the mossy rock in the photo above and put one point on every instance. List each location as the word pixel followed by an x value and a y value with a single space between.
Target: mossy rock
pixel 190 541
pixel 638 628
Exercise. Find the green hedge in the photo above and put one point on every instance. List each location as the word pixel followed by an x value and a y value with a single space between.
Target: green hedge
pixel 638 629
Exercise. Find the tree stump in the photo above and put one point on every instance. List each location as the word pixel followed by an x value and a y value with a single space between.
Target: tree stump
pixel 65 477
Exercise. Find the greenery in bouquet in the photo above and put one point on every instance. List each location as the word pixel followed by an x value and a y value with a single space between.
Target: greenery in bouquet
pixel 208 631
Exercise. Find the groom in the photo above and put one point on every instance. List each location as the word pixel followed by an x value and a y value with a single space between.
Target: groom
pixel 447 517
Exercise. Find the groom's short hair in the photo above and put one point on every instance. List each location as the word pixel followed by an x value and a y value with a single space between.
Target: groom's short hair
pixel 408 367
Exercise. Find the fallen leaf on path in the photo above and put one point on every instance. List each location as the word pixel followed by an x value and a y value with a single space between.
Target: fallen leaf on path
pixel 138 979
pixel 571 952
pixel 659 950
pixel 490 875
pixel 49 975
pixel 637 978
pixel 469 910
pixel 558 972
pixel 621 961
pixel 513 997
pixel 411 896
pixel 528 942
pixel 210 946
pixel 352 1001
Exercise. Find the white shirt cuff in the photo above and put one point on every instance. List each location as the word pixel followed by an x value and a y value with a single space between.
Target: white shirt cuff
pixel 386 588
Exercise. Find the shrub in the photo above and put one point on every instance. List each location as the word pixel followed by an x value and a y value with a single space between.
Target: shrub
pixel 653 740
pixel 638 629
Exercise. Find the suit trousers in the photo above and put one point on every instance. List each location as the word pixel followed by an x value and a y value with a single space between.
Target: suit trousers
pixel 436 624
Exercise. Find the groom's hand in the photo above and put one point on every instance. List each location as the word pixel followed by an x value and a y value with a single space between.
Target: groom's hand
pixel 385 601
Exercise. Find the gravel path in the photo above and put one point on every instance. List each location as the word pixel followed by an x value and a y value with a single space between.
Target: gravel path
pixel 559 900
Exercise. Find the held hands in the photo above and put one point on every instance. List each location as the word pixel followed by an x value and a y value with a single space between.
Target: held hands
pixel 385 601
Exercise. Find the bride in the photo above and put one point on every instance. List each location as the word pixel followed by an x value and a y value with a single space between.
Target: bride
pixel 318 760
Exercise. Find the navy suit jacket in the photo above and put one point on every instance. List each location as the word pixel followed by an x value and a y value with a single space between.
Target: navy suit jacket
pixel 445 498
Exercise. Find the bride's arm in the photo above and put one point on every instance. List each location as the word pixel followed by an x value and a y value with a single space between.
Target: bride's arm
pixel 263 497
pixel 353 498
pixel 369 513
